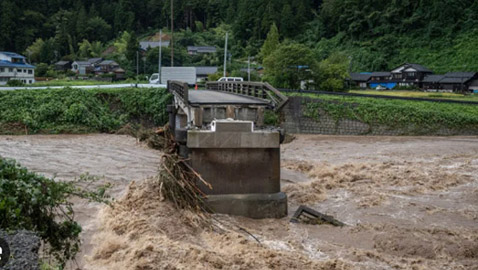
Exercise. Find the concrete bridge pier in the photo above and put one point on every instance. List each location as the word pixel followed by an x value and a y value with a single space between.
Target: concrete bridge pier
pixel 220 131
pixel 243 167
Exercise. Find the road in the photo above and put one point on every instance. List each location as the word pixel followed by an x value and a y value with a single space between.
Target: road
pixel 126 85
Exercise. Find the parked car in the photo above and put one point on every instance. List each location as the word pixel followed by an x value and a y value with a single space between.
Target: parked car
pixel 230 79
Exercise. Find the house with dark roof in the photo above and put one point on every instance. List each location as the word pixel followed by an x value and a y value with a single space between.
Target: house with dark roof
pixel 14 67
pixel 410 74
pixel 457 81
pixel 94 61
pixel 360 79
pixel 192 50
pixel 381 79
pixel 106 66
pixel 63 65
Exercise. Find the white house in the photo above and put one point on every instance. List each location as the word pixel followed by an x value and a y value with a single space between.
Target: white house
pixel 14 67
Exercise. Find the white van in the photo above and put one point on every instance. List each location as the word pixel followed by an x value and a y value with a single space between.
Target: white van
pixel 230 79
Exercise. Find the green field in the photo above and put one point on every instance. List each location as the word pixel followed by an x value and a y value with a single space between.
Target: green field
pixel 418 94
pixel 80 111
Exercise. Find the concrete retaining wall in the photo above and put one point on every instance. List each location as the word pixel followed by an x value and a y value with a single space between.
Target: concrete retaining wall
pixel 294 121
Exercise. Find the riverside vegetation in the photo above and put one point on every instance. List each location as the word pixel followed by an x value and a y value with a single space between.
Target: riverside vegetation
pixel 418 117
pixel 81 111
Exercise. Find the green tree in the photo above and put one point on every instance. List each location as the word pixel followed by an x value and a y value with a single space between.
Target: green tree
pixel 98 29
pixel 289 65
pixel 287 21
pixel 34 50
pixel 271 43
pixel 332 73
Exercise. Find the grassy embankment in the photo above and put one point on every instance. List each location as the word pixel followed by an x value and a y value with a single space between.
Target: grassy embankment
pixel 416 117
pixel 81 111
pixel 418 94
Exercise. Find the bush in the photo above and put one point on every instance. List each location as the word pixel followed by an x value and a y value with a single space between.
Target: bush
pixel 36 203
pixel 80 111
pixel 15 83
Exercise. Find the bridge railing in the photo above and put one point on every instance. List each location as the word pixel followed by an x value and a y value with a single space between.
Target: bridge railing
pixel 259 90
pixel 179 89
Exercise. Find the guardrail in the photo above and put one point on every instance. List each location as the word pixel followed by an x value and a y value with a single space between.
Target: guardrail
pixel 180 90
pixel 258 90
pixel 377 96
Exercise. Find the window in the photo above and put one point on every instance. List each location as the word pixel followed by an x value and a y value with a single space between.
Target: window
pixel 30 71
pixel 2 70
pixel 30 81
pixel 10 70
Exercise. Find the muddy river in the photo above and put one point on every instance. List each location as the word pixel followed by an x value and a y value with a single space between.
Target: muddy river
pixel 407 202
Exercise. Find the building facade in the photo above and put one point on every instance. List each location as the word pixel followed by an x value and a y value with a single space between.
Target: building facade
pixel 14 67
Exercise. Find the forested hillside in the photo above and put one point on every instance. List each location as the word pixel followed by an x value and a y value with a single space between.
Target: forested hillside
pixel 370 34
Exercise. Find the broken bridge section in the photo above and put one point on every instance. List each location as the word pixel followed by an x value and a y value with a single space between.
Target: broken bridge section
pixel 221 130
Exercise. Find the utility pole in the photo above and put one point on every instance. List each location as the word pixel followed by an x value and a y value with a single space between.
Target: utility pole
pixel 160 54
pixel 137 64
pixel 248 68
pixel 172 30
pixel 225 57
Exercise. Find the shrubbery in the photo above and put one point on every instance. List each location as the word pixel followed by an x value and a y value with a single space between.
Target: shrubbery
pixel 36 203
pixel 79 111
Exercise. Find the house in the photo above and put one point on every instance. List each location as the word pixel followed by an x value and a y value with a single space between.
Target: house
pixel 473 86
pixel 63 65
pixel 203 72
pixel 94 61
pixel 145 45
pixel 14 67
pixel 82 67
pixel 381 79
pixel 106 66
pixel 360 79
pixel 457 81
pixel 119 73
pixel 432 82
pixel 410 74
pixel 193 50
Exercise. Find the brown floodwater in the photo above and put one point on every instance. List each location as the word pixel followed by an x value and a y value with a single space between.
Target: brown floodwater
pixel 407 202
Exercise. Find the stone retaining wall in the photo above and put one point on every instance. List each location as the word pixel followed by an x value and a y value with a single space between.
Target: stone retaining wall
pixel 293 120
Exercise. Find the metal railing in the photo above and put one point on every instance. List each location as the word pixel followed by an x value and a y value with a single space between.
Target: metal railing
pixel 258 90
pixel 180 90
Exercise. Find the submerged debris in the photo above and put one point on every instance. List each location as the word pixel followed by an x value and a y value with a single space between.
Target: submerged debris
pixel 178 179
pixel 310 216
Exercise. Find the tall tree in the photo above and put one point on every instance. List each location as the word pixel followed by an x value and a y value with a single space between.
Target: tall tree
pixel 271 43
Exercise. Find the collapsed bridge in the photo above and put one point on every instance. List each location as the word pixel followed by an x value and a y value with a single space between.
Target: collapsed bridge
pixel 221 131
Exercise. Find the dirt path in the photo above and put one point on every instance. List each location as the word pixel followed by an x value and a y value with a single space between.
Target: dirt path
pixel 408 202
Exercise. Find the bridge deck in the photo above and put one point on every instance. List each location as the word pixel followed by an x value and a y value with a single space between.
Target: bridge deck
pixel 208 97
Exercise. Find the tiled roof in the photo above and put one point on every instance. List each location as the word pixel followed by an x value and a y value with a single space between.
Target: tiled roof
pixel 380 74
pixel 12 54
pixel 433 78
pixel 8 64
pixel 360 76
